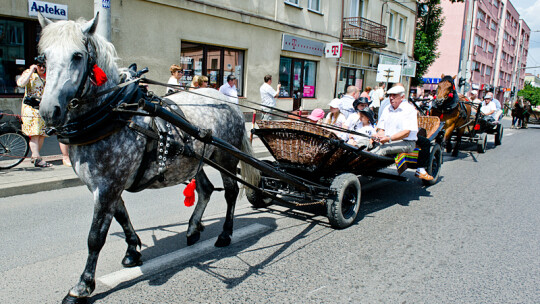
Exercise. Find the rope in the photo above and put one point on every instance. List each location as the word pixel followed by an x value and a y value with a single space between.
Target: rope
pixel 330 127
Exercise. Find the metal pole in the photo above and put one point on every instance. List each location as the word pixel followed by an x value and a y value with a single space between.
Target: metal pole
pixel 103 7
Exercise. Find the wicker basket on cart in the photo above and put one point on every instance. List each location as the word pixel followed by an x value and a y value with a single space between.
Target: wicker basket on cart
pixel 300 143
pixel 429 123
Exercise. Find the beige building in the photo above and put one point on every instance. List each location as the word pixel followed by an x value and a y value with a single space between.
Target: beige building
pixel 247 38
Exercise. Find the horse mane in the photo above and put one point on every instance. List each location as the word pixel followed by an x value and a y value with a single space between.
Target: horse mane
pixel 68 36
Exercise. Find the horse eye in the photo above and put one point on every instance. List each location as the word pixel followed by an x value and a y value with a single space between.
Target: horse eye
pixel 77 56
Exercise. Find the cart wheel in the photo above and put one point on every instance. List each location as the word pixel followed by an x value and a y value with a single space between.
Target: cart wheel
pixel 342 208
pixel 499 135
pixel 435 164
pixel 482 143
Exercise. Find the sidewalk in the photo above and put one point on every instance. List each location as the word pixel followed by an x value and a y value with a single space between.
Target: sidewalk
pixel 25 178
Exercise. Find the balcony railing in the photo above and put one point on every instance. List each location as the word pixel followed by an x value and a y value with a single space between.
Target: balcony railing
pixel 363 32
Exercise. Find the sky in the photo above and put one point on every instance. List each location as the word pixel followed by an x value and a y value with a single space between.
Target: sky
pixel 529 10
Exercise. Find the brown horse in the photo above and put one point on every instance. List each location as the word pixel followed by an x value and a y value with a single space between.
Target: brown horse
pixel 451 108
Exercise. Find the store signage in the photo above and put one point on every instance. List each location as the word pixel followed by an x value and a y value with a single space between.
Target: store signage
pixel 301 45
pixel 431 80
pixel 49 10
pixel 333 50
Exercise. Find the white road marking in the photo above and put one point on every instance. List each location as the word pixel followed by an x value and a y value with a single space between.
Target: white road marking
pixel 508 134
pixel 176 258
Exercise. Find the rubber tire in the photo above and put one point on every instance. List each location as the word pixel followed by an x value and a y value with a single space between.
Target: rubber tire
pixel 348 196
pixel 435 164
pixel 482 143
pixel 499 135
pixel 16 140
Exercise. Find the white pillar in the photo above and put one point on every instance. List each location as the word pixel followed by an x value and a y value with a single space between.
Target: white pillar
pixel 103 7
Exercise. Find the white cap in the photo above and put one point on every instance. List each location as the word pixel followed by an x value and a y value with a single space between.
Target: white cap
pixel 396 90
pixel 335 103
pixel 474 92
pixel 489 95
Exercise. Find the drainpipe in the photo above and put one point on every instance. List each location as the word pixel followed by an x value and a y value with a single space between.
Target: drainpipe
pixel 103 7
pixel 340 40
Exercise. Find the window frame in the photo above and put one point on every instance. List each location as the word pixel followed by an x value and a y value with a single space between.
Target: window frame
pixel 391 25
pixel 401 34
pixel 221 75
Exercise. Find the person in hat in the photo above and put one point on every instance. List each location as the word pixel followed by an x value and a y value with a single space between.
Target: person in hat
pixel 229 89
pixel 488 108
pixel 365 127
pixel 354 122
pixel 334 117
pixel 176 74
pixel 398 131
pixel 316 116
pixel 386 101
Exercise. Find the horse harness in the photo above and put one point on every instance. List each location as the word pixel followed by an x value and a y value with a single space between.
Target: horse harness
pixel 450 107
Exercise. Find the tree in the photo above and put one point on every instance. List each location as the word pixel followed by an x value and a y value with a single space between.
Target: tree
pixel 428 33
pixel 530 93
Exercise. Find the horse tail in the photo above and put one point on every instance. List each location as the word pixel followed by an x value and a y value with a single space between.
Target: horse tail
pixel 248 173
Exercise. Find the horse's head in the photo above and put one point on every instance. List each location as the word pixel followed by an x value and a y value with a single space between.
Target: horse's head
pixel 445 91
pixel 72 51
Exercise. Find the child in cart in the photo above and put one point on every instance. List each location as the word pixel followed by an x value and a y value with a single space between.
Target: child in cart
pixel 363 126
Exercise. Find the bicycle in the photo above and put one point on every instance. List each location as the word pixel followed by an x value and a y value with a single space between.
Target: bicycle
pixel 14 145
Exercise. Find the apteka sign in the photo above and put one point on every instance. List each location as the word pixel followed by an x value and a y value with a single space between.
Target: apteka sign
pixel 49 10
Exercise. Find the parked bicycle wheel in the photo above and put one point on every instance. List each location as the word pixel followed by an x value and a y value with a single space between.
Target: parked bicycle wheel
pixel 13 149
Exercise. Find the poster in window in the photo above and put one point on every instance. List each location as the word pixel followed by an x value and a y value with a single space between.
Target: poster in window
pixel 309 91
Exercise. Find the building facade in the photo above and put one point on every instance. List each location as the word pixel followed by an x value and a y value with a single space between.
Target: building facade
pixel 249 39
pixel 492 43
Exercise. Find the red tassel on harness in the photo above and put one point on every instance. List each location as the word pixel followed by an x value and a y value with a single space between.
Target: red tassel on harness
pixel 98 76
pixel 189 193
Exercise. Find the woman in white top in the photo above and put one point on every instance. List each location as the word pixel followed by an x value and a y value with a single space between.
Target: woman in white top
pixel 176 75
pixel 335 118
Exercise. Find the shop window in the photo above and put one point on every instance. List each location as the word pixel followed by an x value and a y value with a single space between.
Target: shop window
pixel 214 62
pixel 297 76
pixel 18 47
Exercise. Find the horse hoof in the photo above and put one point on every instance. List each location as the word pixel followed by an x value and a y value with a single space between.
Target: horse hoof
pixel 194 238
pixel 132 259
pixel 223 241
pixel 69 299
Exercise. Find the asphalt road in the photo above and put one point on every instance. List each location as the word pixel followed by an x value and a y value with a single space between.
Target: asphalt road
pixel 472 238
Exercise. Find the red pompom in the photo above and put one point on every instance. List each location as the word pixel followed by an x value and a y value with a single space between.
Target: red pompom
pixel 189 193
pixel 441 116
pixel 451 95
pixel 98 76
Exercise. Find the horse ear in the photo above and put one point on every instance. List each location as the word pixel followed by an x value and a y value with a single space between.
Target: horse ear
pixel 454 77
pixel 90 27
pixel 442 76
pixel 43 21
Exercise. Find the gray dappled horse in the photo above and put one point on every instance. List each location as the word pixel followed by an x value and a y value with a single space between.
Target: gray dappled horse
pixel 109 163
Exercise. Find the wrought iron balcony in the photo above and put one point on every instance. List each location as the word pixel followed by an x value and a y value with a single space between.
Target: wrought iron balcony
pixel 362 32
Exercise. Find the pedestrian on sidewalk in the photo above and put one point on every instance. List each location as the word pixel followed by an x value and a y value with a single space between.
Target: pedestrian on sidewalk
pixel 229 89
pixel 176 74
pixel 33 81
pixel 268 97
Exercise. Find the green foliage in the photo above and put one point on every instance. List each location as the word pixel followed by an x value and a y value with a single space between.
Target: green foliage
pixel 530 93
pixel 428 33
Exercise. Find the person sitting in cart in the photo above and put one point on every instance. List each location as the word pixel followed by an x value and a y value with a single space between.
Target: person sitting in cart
pixel 398 131
pixel 316 116
pixel 353 121
pixel 365 126
pixel 489 109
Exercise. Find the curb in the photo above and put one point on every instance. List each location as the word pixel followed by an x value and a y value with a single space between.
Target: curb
pixel 54 183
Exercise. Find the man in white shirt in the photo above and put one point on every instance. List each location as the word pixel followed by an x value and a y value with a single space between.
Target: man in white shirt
pixel 498 110
pixel 346 107
pixel 229 89
pixel 268 97
pixel 488 108
pixel 398 128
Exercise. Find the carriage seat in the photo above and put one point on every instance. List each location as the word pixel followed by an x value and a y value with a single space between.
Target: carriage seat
pixel 428 125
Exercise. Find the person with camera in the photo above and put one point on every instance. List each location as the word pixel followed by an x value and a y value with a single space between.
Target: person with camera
pixel 33 82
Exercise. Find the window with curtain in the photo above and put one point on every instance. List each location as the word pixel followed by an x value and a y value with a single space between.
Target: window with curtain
pixel 391 26
pixel 297 76
pixel 314 5
pixel 401 29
